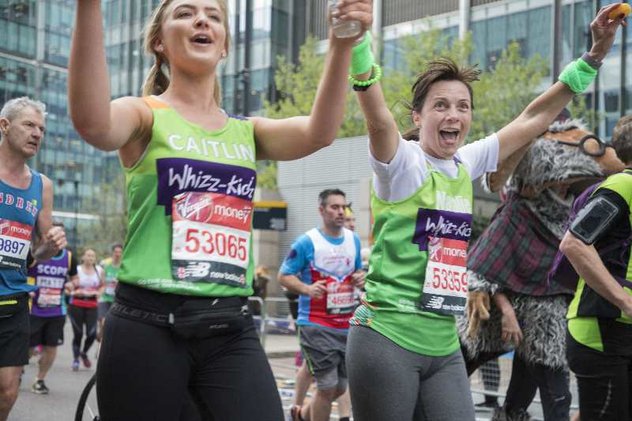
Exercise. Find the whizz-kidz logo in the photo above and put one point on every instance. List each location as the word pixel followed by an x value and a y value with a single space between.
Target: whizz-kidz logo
pixel 442 224
pixel 178 175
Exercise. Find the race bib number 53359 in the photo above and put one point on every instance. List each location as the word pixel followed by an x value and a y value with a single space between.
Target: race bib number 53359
pixel 445 285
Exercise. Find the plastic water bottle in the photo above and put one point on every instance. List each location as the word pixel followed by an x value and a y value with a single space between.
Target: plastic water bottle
pixel 344 28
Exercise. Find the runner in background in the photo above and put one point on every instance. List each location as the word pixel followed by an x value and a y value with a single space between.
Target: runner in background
pixel 324 267
pixel 48 309
pixel 25 224
pixel 111 268
pixel 84 293
pixel 304 378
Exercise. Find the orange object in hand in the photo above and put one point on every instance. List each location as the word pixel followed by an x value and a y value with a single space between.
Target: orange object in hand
pixel 621 10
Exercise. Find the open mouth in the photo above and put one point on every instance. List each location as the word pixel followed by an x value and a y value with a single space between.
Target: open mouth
pixel 449 135
pixel 202 39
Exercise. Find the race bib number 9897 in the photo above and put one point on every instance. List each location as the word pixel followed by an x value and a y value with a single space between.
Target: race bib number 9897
pixel 15 241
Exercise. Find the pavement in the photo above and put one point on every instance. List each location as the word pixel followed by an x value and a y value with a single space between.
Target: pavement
pixel 66 386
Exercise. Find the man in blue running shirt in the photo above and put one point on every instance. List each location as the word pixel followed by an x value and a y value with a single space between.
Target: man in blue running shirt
pixel 26 206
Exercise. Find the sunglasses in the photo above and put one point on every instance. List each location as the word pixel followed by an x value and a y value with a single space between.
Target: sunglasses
pixel 582 142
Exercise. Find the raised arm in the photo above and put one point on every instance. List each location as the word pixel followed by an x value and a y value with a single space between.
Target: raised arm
pixel 540 112
pixel 103 124
pixel 297 137
pixel 381 125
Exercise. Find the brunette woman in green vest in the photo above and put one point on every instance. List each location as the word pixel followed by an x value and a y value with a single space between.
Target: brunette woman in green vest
pixel 403 352
pixel 179 324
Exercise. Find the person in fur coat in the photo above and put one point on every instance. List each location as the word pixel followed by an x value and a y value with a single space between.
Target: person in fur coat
pixel 511 305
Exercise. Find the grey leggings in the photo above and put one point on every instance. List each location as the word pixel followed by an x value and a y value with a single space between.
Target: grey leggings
pixel 389 383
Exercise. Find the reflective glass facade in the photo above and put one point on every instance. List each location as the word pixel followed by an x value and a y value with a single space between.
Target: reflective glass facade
pixel 278 29
pixel 494 24
pixel 34 48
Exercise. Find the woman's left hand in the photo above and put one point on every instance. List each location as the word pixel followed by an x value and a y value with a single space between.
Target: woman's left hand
pixel 603 31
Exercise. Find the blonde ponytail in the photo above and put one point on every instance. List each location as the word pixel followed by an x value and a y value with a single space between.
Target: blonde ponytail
pixel 156 81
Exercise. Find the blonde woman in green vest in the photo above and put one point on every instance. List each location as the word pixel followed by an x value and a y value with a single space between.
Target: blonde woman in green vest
pixel 179 324
pixel 403 355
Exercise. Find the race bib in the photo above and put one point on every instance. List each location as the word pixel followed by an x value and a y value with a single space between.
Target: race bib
pixel 211 238
pixel 49 297
pixel 110 287
pixel 340 298
pixel 15 241
pixel 445 286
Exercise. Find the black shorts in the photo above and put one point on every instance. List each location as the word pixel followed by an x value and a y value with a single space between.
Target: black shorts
pixel 47 331
pixel 14 330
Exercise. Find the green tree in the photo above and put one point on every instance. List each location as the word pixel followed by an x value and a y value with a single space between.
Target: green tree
pixel 110 226
pixel 503 92
pixel 499 96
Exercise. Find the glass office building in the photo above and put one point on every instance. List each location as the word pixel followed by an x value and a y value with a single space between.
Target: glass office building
pixel 34 48
pixel 35 43
pixel 494 24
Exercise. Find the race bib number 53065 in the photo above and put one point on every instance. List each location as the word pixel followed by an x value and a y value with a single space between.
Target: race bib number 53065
pixel 211 238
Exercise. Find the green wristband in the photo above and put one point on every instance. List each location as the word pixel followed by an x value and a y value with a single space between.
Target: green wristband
pixel 362 59
pixel 578 75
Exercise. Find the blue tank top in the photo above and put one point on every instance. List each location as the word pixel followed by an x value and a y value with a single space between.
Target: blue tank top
pixel 19 209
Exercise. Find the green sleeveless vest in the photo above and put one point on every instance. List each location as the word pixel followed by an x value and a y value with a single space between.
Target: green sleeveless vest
pixel 441 207
pixel 190 208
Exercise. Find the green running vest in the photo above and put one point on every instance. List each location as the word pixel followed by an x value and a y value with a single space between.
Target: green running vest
pixel 441 207
pixel 190 208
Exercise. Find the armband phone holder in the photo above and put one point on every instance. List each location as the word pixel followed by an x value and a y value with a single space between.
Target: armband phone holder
pixel 593 219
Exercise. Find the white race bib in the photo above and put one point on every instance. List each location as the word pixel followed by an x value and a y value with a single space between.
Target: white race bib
pixel 445 286
pixel 211 238
pixel 15 241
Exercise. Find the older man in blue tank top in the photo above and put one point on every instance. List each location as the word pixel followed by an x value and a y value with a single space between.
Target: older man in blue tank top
pixel 26 202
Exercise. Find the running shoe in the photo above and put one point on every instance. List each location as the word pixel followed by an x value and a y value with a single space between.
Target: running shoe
pixel 39 387
pixel 86 361
pixel 75 365
pixel 487 404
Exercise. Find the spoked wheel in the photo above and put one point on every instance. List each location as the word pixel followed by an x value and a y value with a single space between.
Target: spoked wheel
pixel 87 405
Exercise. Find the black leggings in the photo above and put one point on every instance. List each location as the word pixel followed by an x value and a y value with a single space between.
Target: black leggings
pixel 526 379
pixel 146 372
pixel 79 317
pixel 604 381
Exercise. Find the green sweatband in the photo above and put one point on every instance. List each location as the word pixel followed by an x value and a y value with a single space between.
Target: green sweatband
pixel 362 59
pixel 578 75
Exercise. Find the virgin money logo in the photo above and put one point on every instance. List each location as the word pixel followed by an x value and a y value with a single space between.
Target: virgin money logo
pixel 195 207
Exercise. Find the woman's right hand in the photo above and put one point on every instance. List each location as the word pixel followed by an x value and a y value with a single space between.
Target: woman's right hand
pixel 349 10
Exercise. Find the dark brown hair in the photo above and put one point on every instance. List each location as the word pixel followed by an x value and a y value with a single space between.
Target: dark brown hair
pixel 438 70
pixel 324 195
pixel 622 139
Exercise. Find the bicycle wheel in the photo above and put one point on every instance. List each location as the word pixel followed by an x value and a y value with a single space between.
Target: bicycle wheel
pixel 87 405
